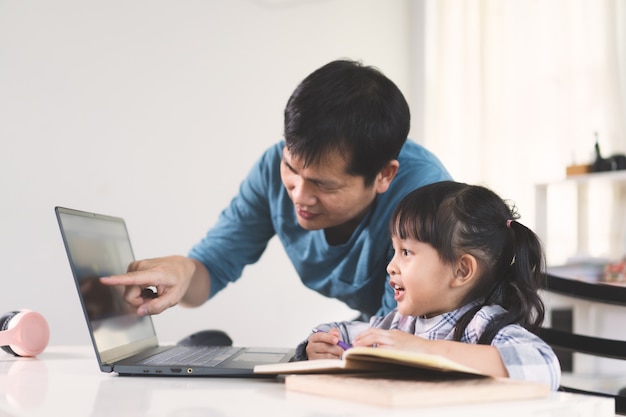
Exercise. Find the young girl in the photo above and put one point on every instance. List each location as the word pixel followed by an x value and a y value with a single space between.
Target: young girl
pixel 466 277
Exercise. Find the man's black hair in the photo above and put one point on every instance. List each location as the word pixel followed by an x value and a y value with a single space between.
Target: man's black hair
pixel 348 107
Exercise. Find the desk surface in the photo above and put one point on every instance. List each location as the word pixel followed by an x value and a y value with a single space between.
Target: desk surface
pixel 66 380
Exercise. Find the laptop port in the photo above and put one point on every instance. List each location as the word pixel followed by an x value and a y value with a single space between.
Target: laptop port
pixel 189 370
pixel 176 370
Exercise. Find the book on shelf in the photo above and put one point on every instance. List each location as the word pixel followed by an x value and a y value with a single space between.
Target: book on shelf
pixel 395 378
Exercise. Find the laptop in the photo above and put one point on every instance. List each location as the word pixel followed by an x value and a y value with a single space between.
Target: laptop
pixel 98 245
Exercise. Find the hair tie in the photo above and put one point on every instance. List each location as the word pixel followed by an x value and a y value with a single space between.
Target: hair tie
pixel 508 223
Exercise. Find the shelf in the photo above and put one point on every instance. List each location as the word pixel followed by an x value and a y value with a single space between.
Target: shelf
pixel 612 176
pixel 591 291
pixel 589 206
pixel 582 222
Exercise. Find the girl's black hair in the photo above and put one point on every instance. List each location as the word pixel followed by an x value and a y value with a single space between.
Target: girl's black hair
pixel 455 219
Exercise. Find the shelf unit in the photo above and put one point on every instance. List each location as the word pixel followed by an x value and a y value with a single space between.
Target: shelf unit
pixel 607 192
pixel 583 217
pixel 592 364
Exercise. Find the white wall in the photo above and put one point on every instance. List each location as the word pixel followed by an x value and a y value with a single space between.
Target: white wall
pixel 154 110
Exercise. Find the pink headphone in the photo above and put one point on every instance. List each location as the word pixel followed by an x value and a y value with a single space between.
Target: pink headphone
pixel 24 333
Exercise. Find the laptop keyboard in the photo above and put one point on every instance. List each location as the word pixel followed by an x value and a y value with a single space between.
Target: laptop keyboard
pixel 192 355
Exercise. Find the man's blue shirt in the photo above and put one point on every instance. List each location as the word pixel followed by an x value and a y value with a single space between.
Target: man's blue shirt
pixel 353 272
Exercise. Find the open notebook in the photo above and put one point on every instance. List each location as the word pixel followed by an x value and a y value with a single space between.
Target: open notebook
pixel 98 245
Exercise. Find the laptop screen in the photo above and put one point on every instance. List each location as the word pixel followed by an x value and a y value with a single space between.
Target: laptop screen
pixel 97 246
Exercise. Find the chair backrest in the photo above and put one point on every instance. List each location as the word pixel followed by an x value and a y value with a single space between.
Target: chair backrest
pixel 567 341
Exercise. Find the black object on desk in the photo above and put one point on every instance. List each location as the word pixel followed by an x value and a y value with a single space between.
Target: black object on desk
pixel 207 338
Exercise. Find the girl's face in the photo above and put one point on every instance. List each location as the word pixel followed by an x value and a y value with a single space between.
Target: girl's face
pixel 422 283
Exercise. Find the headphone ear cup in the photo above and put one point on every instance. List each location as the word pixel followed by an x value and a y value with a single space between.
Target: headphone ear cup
pixel 4 325
pixel 29 332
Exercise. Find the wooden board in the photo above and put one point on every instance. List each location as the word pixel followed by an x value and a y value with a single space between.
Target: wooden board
pixel 415 390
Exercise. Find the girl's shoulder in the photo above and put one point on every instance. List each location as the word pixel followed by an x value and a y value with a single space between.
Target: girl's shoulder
pixel 489 312
pixel 479 322
pixel 508 333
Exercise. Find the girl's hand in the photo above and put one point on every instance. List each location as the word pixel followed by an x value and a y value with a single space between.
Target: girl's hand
pixel 395 339
pixel 323 345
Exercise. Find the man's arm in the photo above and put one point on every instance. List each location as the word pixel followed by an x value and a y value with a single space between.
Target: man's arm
pixel 199 287
pixel 177 279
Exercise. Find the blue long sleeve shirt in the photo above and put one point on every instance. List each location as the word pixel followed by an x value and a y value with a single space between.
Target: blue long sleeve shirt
pixel 353 272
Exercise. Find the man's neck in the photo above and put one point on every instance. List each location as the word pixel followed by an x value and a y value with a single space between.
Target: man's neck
pixel 340 234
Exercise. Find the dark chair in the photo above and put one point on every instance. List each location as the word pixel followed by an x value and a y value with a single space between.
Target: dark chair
pixel 566 343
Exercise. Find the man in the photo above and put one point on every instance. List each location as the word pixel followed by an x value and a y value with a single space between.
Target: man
pixel 327 191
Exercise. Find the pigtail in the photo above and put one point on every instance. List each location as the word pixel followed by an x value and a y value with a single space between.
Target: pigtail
pixel 518 291
pixel 528 278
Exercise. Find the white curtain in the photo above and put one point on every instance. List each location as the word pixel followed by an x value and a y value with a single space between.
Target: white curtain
pixel 515 90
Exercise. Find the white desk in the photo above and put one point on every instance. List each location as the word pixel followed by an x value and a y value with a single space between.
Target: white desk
pixel 66 381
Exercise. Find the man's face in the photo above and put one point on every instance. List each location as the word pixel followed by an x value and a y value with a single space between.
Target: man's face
pixel 324 195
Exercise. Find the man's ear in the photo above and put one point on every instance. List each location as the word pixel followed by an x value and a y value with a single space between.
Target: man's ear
pixel 466 270
pixel 386 175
